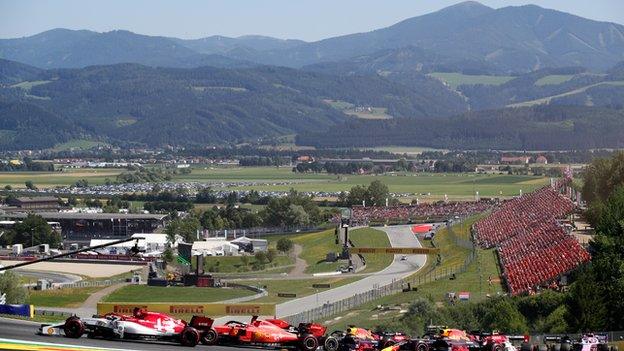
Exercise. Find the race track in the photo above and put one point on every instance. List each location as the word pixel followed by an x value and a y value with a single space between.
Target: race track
pixel 400 236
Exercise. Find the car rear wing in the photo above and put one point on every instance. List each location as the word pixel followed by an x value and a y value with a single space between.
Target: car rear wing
pixel 201 322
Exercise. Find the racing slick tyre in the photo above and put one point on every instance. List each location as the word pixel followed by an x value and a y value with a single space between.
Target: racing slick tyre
pixel 556 347
pixel 565 346
pixel 210 337
pixel 189 337
pixel 421 347
pixel 73 328
pixel 309 342
pixel 615 348
pixel 497 347
pixel 526 347
pixel 542 348
pixel 603 347
pixel 331 344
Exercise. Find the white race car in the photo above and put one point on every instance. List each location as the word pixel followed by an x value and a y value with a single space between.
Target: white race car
pixel 141 325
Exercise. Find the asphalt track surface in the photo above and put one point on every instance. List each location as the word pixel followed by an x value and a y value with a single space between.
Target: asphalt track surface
pixel 400 236
pixel 53 276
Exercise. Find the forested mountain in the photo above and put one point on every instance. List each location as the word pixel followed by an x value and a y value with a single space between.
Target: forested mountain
pixel 206 105
pixel 513 39
pixel 15 72
pixel 536 128
pixel 464 37
pixel 64 48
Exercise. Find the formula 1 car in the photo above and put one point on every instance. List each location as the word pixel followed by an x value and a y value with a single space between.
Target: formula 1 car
pixel 587 342
pixel 360 339
pixel 142 325
pixel 274 333
pixel 494 341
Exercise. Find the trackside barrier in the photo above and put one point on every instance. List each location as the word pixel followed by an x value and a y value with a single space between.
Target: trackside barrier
pixel 18 310
pixel 210 309
pixel 433 274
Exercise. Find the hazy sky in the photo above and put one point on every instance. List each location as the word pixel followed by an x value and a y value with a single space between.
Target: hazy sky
pixel 299 19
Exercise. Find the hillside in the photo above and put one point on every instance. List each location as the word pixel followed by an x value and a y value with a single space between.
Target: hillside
pixel 536 128
pixel 467 37
pixel 63 48
pixel 207 105
pixel 510 39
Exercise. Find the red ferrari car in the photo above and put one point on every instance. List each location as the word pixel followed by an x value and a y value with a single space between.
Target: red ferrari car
pixel 273 333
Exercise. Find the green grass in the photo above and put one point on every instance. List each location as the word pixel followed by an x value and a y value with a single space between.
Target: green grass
pixel 457 79
pixel 546 100
pixel 71 297
pixel 79 144
pixel 301 287
pixel 369 237
pixel 52 179
pixel 473 280
pixel 315 249
pixel 554 79
pixel 231 264
pixel 30 84
pixel 146 294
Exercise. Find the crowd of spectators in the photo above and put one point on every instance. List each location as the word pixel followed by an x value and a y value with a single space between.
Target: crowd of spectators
pixel 439 211
pixel 534 249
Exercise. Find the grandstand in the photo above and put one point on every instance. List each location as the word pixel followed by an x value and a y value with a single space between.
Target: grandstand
pixel 361 215
pixel 533 248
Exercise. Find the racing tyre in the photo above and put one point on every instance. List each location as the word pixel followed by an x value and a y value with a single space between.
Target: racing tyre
pixel 556 347
pixel 73 328
pixel 331 344
pixel 497 347
pixel 189 337
pixel 542 348
pixel 565 346
pixel 210 337
pixel 526 347
pixel 421 347
pixel 603 347
pixel 614 348
pixel 309 343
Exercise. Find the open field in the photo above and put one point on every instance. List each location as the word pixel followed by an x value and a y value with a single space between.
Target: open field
pixel 52 179
pixel 554 79
pixel 370 237
pixel 373 113
pixel 70 297
pixel 315 249
pixel 301 287
pixel 92 270
pixel 231 264
pixel 457 79
pixel 82 144
pixel 403 150
pixel 146 294
pixel 428 186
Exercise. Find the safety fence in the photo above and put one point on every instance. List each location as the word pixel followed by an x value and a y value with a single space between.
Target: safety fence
pixel 434 273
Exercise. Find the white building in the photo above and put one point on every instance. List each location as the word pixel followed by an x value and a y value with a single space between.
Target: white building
pixel 214 247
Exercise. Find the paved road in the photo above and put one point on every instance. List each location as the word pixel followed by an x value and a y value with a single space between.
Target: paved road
pixel 25 330
pixel 400 236
pixel 55 277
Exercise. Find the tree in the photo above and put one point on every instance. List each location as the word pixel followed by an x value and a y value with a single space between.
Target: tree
pixel 284 245
pixel 30 185
pixel 11 286
pixel 8 187
pixel 270 255
pixel 168 255
pixel 358 195
pixel 296 216
pixel 244 260
pixel 35 230
pixel 378 193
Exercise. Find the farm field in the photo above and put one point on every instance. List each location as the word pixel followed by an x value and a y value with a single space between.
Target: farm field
pixel 554 79
pixel 52 179
pixel 457 79
pixel 426 186
pixel 403 150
